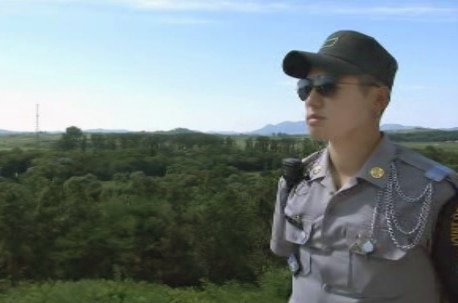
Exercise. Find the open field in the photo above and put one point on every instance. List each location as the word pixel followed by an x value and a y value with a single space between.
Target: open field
pixel 46 140
pixel 27 141
pixel 446 146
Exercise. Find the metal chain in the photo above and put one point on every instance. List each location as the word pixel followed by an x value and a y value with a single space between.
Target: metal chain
pixel 424 211
pixel 392 218
pixel 375 215
pixel 397 186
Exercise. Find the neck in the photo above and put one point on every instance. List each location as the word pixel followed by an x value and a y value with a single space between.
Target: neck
pixel 349 154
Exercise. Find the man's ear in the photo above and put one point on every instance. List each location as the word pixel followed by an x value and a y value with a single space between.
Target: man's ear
pixel 382 99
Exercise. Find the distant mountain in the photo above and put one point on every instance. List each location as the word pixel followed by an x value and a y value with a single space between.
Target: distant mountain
pixel 396 127
pixel 106 131
pixel 7 132
pixel 227 133
pixel 287 127
pixel 179 130
pixel 300 128
pixel 449 129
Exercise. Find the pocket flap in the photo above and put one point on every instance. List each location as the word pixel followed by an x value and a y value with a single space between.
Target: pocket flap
pixel 298 235
pixel 384 246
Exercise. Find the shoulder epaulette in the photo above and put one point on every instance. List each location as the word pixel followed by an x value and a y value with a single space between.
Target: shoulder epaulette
pixel 433 170
pixel 439 172
pixel 416 159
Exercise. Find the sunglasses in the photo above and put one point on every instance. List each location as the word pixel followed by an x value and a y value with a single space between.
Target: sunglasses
pixel 325 85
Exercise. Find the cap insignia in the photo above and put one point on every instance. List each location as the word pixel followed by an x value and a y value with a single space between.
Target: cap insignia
pixel 330 42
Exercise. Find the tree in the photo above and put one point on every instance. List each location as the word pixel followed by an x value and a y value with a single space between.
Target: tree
pixel 71 139
pixel 16 229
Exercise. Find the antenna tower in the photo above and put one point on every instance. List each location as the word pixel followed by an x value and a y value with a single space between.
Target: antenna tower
pixel 37 125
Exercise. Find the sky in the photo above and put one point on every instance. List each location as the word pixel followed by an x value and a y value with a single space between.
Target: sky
pixel 207 65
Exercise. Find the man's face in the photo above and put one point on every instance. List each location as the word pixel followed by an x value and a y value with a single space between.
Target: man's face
pixel 349 110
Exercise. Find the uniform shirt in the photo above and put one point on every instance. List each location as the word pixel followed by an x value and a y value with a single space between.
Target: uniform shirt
pixel 370 240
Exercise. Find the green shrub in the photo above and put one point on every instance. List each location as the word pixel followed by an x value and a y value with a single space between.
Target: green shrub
pixel 273 289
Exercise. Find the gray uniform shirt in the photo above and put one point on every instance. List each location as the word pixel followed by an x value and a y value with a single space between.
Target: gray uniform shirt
pixel 368 241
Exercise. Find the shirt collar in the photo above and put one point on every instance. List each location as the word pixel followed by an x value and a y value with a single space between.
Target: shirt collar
pixel 375 170
pixel 320 167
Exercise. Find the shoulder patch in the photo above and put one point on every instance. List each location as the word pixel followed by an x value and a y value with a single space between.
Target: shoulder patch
pixel 438 172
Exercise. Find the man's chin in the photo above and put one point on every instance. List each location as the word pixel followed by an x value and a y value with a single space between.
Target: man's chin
pixel 318 135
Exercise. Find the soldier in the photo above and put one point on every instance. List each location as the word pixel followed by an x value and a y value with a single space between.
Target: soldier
pixel 364 219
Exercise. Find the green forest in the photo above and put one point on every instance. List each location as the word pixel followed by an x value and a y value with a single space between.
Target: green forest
pixel 146 217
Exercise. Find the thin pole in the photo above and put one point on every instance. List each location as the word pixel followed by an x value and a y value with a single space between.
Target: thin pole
pixel 37 125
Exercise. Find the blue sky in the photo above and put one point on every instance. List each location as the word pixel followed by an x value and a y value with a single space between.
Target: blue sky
pixel 208 65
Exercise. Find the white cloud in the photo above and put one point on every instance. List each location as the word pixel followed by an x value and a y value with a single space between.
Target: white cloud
pixel 211 5
pixel 175 5
pixel 408 13
pixel 327 8
pixel 392 11
pixel 258 6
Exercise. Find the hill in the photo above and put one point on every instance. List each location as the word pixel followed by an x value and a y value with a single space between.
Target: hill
pixel 300 128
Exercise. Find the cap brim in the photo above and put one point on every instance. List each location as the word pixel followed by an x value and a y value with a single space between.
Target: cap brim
pixel 298 64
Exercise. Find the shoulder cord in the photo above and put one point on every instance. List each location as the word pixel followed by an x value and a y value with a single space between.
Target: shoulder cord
pixel 385 199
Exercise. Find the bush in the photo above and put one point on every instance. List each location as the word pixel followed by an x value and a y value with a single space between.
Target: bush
pixel 274 288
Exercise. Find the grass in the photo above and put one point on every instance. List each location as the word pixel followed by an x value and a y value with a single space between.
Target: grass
pixel 273 287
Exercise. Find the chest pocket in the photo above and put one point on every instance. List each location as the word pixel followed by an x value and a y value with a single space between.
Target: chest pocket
pixel 300 235
pixel 298 232
pixel 299 224
pixel 385 272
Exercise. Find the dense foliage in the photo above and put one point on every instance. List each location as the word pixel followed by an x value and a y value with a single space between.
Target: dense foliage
pixel 173 209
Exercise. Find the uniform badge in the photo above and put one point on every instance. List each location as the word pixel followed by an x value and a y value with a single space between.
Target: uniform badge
pixel 293 264
pixel 377 172
pixel 363 246
pixel 367 247
pixel 316 169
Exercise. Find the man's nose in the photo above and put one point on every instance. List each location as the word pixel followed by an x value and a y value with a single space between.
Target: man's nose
pixel 314 100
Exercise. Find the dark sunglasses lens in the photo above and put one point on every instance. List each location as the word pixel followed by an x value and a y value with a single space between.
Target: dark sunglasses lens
pixel 326 86
pixel 304 87
pixel 326 89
